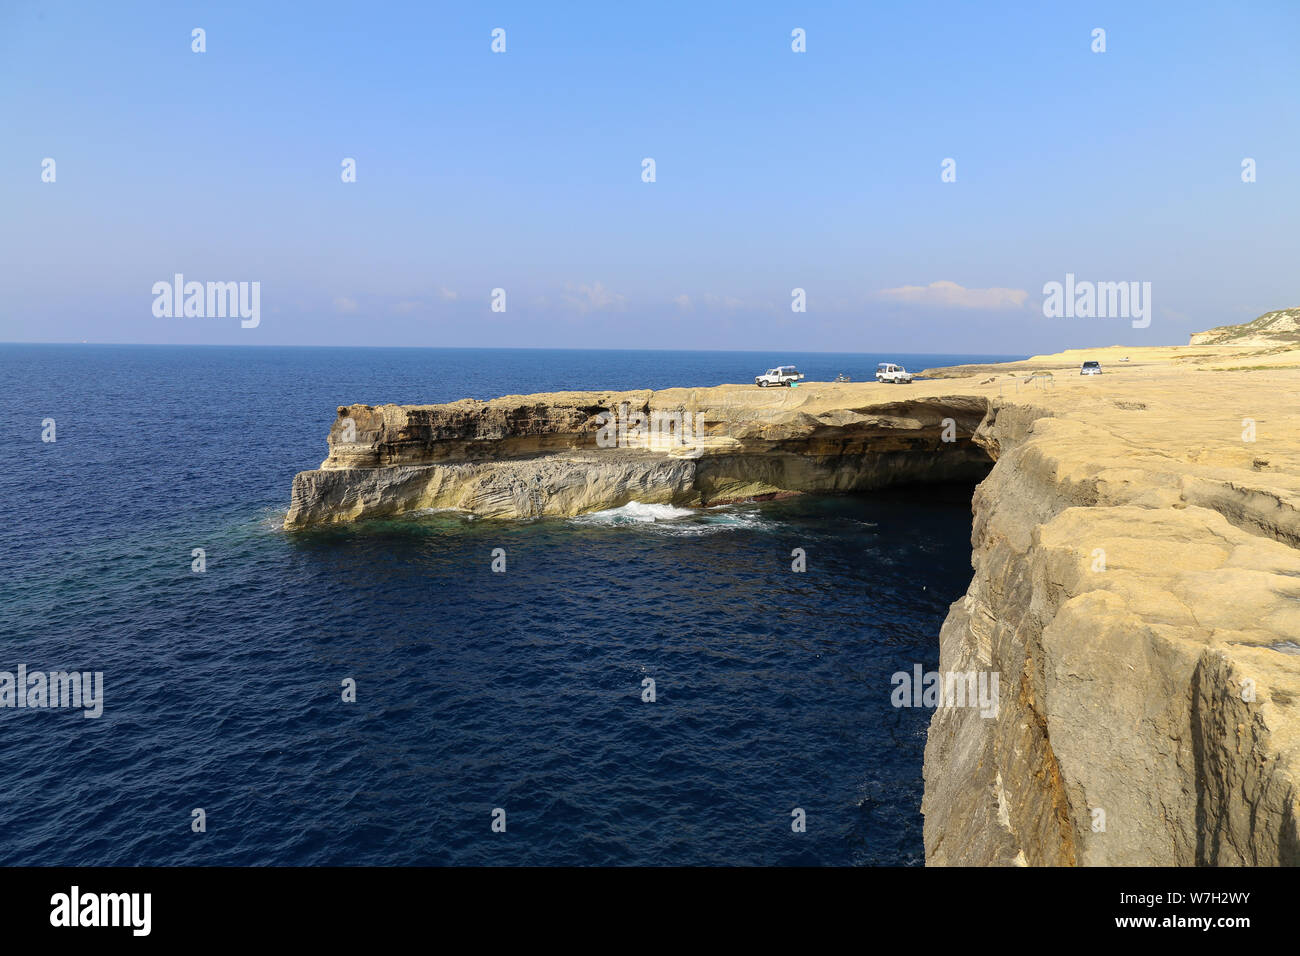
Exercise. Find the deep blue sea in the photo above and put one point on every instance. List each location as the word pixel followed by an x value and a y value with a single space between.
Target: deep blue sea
pixel 520 691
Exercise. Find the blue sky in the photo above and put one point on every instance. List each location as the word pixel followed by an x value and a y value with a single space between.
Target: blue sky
pixel 522 171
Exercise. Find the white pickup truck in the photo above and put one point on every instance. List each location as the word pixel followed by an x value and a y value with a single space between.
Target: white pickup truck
pixel 887 372
pixel 781 375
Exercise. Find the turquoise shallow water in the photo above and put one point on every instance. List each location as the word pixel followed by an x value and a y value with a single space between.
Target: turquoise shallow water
pixel 475 690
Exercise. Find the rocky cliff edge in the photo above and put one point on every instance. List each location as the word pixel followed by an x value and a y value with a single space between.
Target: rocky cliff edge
pixel 1135 555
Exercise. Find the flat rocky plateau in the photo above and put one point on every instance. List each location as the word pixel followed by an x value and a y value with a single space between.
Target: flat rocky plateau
pixel 1136 580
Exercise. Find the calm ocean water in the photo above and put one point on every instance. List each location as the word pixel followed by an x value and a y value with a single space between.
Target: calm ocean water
pixel 475 690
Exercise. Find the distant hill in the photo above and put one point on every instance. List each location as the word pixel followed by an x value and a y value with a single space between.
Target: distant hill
pixel 1272 328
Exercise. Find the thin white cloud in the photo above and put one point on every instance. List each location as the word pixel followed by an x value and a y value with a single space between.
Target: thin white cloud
pixel 684 303
pixel 448 294
pixel 345 305
pixel 945 293
pixel 723 301
pixel 593 297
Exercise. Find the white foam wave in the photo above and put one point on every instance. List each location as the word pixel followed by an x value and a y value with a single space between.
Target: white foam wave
pixel 635 512
pixel 668 519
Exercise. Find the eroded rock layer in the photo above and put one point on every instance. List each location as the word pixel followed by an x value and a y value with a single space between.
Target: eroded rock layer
pixel 527 456
pixel 1142 614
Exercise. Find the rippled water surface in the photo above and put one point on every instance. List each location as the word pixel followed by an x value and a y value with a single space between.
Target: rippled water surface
pixel 476 690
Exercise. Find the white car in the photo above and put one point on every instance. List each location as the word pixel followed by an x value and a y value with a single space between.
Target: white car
pixel 1090 368
pixel 781 375
pixel 888 372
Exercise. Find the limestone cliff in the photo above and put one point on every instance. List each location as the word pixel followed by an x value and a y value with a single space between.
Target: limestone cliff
pixel 1135 552
pixel 527 456
pixel 1142 610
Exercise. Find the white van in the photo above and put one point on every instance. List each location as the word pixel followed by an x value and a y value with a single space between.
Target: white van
pixel 781 375
pixel 888 372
